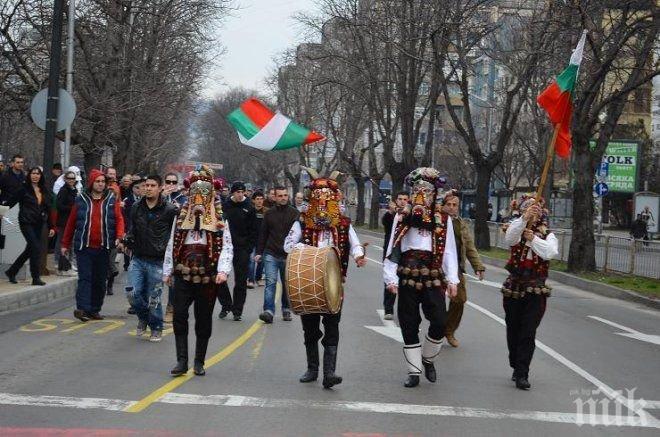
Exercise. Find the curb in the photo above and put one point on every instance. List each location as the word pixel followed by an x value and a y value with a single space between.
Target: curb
pixel 588 285
pixel 35 295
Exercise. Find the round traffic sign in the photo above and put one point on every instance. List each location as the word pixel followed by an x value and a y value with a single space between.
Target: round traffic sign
pixel 601 189
pixel 66 109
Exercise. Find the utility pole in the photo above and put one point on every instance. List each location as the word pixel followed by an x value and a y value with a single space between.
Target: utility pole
pixel 53 87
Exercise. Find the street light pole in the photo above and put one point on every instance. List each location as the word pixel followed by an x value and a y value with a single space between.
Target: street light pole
pixel 53 86
pixel 66 158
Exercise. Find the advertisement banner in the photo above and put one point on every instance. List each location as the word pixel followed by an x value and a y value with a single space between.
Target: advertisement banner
pixel 621 158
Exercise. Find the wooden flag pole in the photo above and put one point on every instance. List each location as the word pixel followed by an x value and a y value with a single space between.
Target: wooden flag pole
pixel 548 160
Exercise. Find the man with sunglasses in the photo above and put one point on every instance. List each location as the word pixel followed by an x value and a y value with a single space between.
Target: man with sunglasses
pixel 172 193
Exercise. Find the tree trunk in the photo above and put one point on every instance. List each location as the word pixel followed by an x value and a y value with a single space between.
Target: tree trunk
pixel 582 252
pixel 481 232
pixel 359 215
pixel 92 159
pixel 374 206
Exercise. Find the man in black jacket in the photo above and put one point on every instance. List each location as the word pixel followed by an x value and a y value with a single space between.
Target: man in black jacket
pixel 152 219
pixel 242 217
pixel 387 221
pixel 11 182
pixel 277 222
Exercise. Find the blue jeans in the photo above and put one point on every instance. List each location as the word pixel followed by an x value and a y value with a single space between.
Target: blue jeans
pixel 92 275
pixel 145 278
pixel 255 270
pixel 273 266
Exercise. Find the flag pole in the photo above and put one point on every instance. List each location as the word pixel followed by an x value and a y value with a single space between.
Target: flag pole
pixel 548 160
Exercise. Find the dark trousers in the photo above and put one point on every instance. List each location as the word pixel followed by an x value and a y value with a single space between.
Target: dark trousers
pixel 388 301
pixel 312 329
pixel 203 297
pixel 523 316
pixel 32 251
pixel 92 275
pixel 432 301
pixel 240 265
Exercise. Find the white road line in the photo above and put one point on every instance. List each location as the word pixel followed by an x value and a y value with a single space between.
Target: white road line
pixel 484 282
pixel 374 261
pixel 630 333
pixel 604 388
pixel 65 402
pixel 407 409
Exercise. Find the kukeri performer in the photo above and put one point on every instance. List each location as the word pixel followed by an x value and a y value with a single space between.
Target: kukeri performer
pixel 198 258
pixel 421 264
pixel 525 292
pixel 323 226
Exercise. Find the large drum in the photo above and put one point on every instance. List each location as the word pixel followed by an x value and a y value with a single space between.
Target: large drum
pixel 313 280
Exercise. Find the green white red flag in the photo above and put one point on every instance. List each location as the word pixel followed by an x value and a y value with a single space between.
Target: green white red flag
pixel 557 100
pixel 261 128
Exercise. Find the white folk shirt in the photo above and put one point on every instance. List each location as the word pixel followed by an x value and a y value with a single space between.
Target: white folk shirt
pixel 419 239
pixel 547 249
pixel 224 260
pixel 324 239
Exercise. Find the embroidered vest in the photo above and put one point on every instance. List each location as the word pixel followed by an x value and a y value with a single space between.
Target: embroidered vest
pixel 339 237
pixel 519 255
pixel 439 236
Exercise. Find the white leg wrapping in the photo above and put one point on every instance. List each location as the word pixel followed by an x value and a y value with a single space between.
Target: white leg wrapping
pixel 413 355
pixel 431 349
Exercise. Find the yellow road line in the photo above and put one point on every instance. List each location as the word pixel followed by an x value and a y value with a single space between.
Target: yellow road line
pixel 177 382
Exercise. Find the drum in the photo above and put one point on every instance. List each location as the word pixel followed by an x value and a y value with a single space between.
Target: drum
pixel 313 280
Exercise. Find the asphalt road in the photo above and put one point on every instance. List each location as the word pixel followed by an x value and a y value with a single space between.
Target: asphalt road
pixel 59 377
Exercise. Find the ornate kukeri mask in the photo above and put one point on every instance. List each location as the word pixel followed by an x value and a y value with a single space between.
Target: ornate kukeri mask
pixel 324 202
pixel 201 212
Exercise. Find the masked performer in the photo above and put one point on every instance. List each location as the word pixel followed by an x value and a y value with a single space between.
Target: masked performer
pixel 323 226
pixel 199 257
pixel 420 265
pixel 525 293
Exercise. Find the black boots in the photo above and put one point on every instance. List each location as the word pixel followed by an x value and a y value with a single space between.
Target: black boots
pixel 200 356
pixel 429 371
pixel 11 276
pixel 37 281
pixel 523 383
pixel 329 363
pixel 412 381
pixel 312 372
pixel 110 284
pixel 181 356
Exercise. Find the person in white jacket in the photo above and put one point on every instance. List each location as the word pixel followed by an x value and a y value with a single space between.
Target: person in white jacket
pixel 525 291
pixel 421 265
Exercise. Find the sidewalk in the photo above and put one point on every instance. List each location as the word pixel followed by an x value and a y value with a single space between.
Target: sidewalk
pixel 17 296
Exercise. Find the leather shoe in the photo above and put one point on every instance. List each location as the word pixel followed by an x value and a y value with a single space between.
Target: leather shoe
pixel 95 316
pixel 412 381
pixel 38 282
pixel 309 376
pixel 522 383
pixel 429 371
pixel 198 368
pixel 180 369
pixel 80 315
pixel 452 340
pixel 11 277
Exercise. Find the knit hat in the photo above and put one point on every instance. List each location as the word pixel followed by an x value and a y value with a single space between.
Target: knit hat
pixel 237 186
pixel 93 174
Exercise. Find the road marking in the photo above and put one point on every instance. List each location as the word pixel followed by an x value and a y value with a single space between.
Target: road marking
pixel 630 333
pixel 65 402
pixel 407 409
pixel 374 261
pixel 604 388
pixel 389 329
pixel 43 325
pixel 177 382
pixel 476 280
pixel 349 406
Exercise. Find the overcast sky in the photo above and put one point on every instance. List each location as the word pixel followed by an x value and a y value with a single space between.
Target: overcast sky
pixel 252 36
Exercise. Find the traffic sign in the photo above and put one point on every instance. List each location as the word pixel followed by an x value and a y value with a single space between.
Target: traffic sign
pixel 603 169
pixel 66 109
pixel 601 189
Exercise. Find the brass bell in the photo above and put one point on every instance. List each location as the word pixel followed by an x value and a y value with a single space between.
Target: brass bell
pixel 178 267
pixel 414 273
pixel 186 277
pixel 411 282
pixel 428 284
pixel 437 282
pixel 424 271
pixel 205 279
pixel 419 285
pixel 196 279
pixel 406 271
pixel 202 270
pixel 435 273
pixel 185 271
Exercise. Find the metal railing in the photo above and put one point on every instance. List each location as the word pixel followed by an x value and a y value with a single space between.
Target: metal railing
pixel 613 253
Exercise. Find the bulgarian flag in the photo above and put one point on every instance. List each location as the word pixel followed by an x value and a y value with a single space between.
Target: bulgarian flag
pixel 557 100
pixel 259 127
